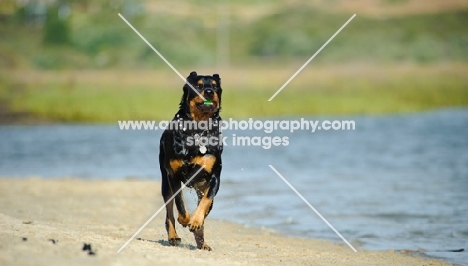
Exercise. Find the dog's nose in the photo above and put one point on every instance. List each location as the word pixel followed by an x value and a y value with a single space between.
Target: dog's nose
pixel 209 92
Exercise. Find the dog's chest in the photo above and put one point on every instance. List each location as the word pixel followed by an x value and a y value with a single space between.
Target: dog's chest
pixel 190 143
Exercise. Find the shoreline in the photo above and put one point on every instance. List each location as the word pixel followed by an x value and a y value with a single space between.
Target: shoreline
pixel 5 118
pixel 56 217
pixel 347 89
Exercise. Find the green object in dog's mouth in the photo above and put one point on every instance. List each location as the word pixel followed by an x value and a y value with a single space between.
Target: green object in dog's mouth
pixel 207 102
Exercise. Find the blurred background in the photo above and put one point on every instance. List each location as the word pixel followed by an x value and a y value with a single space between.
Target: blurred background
pixel 69 70
pixel 73 61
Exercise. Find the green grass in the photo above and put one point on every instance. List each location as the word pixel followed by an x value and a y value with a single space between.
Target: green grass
pixel 289 32
pixel 95 99
pixel 378 64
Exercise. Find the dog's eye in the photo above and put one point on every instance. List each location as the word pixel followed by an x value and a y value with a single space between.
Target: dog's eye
pixel 200 86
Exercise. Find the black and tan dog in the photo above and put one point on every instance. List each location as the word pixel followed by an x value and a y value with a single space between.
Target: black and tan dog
pixel 185 149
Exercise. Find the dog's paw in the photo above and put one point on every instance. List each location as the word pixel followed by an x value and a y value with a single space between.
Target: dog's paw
pixel 174 241
pixel 204 246
pixel 196 223
pixel 184 221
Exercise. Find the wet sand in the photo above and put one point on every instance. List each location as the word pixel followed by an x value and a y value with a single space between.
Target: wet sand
pixel 47 222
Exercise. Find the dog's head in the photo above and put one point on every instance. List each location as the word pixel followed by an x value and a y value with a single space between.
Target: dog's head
pixel 207 86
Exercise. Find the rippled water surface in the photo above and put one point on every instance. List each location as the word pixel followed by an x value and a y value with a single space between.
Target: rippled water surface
pixel 396 182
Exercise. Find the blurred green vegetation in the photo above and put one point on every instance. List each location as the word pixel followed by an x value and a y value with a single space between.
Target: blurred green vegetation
pixel 56 29
pixel 101 39
pixel 77 36
pixel 420 38
pixel 108 97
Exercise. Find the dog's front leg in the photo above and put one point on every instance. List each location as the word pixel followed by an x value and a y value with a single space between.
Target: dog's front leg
pixel 184 216
pixel 198 217
pixel 167 193
pixel 197 222
pixel 200 239
pixel 205 203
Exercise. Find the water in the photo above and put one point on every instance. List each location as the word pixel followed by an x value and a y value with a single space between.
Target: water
pixel 396 182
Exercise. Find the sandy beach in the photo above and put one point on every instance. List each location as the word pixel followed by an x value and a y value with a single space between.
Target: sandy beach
pixel 47 222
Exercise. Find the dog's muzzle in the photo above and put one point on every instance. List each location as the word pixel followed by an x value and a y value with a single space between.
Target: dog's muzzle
pixel 208 93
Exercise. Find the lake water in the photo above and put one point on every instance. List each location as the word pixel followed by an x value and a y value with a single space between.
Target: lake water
pixel 396 182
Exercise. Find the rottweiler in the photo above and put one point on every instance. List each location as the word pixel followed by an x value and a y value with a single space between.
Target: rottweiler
pixel 192 141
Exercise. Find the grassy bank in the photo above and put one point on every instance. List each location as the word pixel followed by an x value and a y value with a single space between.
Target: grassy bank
pixel 108 96
pixel 395 56
pixel 96 38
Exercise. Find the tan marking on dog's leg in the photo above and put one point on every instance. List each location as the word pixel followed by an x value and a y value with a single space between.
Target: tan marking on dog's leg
pixel 198 217
pixel 206 160
pixel 183 220
pixel 171 230
pixel 176 164
pixel 172 236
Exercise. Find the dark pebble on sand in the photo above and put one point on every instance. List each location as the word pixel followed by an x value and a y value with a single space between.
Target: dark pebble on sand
pixel 25 239
pixel 86 247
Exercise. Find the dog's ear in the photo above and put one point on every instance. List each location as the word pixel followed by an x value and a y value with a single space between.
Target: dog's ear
pixel 217 78
pixel 192 76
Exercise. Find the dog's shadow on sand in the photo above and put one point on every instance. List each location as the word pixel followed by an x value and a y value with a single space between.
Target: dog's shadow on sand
pixel 166 243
